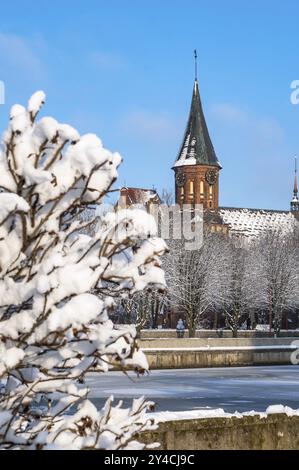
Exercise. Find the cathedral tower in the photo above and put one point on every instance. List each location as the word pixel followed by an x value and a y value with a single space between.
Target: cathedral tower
pixel 197 167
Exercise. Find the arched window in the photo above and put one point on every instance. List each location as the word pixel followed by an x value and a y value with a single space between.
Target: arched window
pixel 201 189
pixel 191 188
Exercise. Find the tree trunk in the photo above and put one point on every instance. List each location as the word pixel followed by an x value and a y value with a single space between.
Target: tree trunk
pixel 192 331
pixel 215 320
pixel 235 333
pixel 138 331
pixel 270 315
pixel 191 322
pixel 277 322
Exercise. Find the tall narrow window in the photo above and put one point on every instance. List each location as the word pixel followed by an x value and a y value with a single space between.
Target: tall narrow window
pixel 211 191
pixel 201 189
pixel 182 194
pixel 191 191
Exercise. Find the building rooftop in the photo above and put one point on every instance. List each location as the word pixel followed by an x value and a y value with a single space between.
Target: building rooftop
pixel 251 223
pixel 197 147
pixel 138 196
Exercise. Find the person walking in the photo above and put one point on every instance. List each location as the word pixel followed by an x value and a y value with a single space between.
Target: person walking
pixel 180 329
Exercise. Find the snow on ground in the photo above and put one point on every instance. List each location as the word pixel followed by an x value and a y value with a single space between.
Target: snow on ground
pixel 226 348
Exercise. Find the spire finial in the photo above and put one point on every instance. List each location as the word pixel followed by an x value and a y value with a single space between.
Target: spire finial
pixel 195 64
pixel 296 180
pixel 295 200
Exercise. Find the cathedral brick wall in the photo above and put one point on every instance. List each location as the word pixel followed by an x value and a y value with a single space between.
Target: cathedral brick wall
pixel 200 192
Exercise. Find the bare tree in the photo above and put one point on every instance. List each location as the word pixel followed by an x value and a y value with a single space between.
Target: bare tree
pixel 192 278
pixel 235 294
pixel 278 258
pixel 167 197
pixel 57 286
pixel 144 309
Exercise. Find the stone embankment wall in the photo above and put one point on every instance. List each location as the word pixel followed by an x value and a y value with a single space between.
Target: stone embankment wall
pixel 170 353
pixel 274 432
pixel 165 333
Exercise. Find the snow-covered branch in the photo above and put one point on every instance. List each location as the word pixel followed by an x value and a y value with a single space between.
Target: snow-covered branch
pixel 55 284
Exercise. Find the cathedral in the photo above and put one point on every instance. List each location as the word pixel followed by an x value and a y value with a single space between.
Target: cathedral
pixel 197 177
pixel 197 180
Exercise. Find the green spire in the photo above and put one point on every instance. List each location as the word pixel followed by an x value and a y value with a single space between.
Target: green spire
pixel 197 147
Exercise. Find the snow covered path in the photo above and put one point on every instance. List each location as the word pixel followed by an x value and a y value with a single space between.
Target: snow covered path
pixel 233 389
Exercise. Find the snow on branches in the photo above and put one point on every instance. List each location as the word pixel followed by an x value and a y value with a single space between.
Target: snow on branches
pixel 57 286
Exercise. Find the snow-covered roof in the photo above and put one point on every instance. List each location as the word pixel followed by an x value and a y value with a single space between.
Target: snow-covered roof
pixel 251 223
pixel 138 196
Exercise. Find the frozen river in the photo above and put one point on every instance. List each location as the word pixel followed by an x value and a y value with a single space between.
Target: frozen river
pixel 233 389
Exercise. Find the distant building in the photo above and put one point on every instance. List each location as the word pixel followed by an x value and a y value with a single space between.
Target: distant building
pixel 197 173
pixel 138 197
pixel 197 181
pixel 250 223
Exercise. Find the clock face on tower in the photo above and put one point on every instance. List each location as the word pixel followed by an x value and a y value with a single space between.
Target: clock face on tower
pixel 180 179
pixel 211 177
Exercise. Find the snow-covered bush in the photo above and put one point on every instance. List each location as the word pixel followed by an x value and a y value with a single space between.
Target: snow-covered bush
pixel 57 286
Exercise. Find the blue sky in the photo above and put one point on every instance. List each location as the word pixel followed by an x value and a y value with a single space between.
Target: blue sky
pixel 124 70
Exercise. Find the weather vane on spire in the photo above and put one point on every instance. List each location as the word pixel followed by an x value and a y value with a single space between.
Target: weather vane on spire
pixel 195 63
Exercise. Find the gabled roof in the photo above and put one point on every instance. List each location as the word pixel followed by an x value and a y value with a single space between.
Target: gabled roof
pixel 197 147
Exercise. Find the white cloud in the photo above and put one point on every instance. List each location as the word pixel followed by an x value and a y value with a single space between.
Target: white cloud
pixel 257 128
pixel 106 60
pixel 150 125
pixel 228 112
pixel 17 53
pixel 267 128
pixel 254 152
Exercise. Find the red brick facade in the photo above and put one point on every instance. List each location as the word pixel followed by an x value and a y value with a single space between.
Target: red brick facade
pixel 194 187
